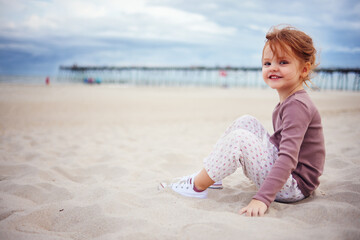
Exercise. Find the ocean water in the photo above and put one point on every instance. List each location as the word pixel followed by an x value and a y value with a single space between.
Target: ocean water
pixel 212 78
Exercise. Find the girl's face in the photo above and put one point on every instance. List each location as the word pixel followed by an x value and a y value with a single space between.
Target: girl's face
pixel 283 73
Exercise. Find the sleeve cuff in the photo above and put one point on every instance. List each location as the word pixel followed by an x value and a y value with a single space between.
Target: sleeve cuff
pixel 267 203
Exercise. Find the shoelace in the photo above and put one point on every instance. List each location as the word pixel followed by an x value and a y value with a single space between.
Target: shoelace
pixel 183 181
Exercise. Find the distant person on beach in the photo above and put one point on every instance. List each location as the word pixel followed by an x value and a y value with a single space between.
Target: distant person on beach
pixel 286 165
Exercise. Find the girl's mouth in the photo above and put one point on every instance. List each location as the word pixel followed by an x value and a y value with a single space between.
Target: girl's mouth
pixel 274 77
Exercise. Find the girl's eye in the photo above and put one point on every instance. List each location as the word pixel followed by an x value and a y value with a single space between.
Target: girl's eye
pixel 267 64
pixel 283 62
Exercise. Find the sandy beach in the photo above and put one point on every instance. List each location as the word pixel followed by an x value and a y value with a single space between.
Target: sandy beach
pixel 84 162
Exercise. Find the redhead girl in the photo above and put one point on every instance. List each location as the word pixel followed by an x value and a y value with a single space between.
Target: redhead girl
pixel 286 165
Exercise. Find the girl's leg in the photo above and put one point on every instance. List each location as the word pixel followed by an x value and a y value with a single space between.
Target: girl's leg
pixel 202 180
pixel 246 143
pixel 239 148
pixel 244 138
pixel 250 124
pixel 224 159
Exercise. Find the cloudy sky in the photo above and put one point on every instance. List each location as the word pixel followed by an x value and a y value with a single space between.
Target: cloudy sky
pixel 36 36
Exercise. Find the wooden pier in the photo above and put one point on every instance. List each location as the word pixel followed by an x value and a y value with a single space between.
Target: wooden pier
pixel 325 78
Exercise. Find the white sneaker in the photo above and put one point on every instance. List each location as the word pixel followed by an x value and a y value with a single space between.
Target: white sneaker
pixel 217 185
pixel 185 187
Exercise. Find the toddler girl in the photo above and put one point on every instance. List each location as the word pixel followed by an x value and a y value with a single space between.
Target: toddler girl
pixel 285 166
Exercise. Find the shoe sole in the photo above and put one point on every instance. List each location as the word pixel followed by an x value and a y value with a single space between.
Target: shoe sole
pixel 190 195
pixel 216 186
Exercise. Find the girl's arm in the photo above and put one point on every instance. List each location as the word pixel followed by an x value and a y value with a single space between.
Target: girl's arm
pixel 295 120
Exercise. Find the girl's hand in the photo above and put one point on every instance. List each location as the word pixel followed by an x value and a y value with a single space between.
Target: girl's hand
pixel 254 208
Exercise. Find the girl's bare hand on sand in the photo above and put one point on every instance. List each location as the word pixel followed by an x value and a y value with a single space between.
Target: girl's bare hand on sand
pixel 254 208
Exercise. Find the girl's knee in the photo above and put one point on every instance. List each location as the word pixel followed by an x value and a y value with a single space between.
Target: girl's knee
pixel 246 118
pixel 243 121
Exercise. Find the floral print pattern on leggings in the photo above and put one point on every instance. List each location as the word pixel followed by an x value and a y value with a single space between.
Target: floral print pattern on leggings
pixel 246 144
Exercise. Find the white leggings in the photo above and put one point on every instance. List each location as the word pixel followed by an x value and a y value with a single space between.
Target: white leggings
pixel 246 143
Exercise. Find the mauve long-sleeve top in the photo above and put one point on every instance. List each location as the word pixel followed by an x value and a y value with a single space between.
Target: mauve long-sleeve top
pixel 298 135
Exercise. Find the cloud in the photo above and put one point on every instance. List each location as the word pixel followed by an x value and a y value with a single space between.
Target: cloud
pixel 25 47
pixel 343 49
pixel 113 19
pixel 158 32
pixel 258 28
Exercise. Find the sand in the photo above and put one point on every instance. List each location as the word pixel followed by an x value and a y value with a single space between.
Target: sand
pixel 84 162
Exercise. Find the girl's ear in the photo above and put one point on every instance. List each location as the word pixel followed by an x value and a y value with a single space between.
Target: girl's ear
pixel 305 70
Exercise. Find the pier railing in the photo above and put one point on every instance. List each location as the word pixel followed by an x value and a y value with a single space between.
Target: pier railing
pixel 325 78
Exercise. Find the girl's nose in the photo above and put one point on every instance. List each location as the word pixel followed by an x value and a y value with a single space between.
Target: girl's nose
pixel 274 67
